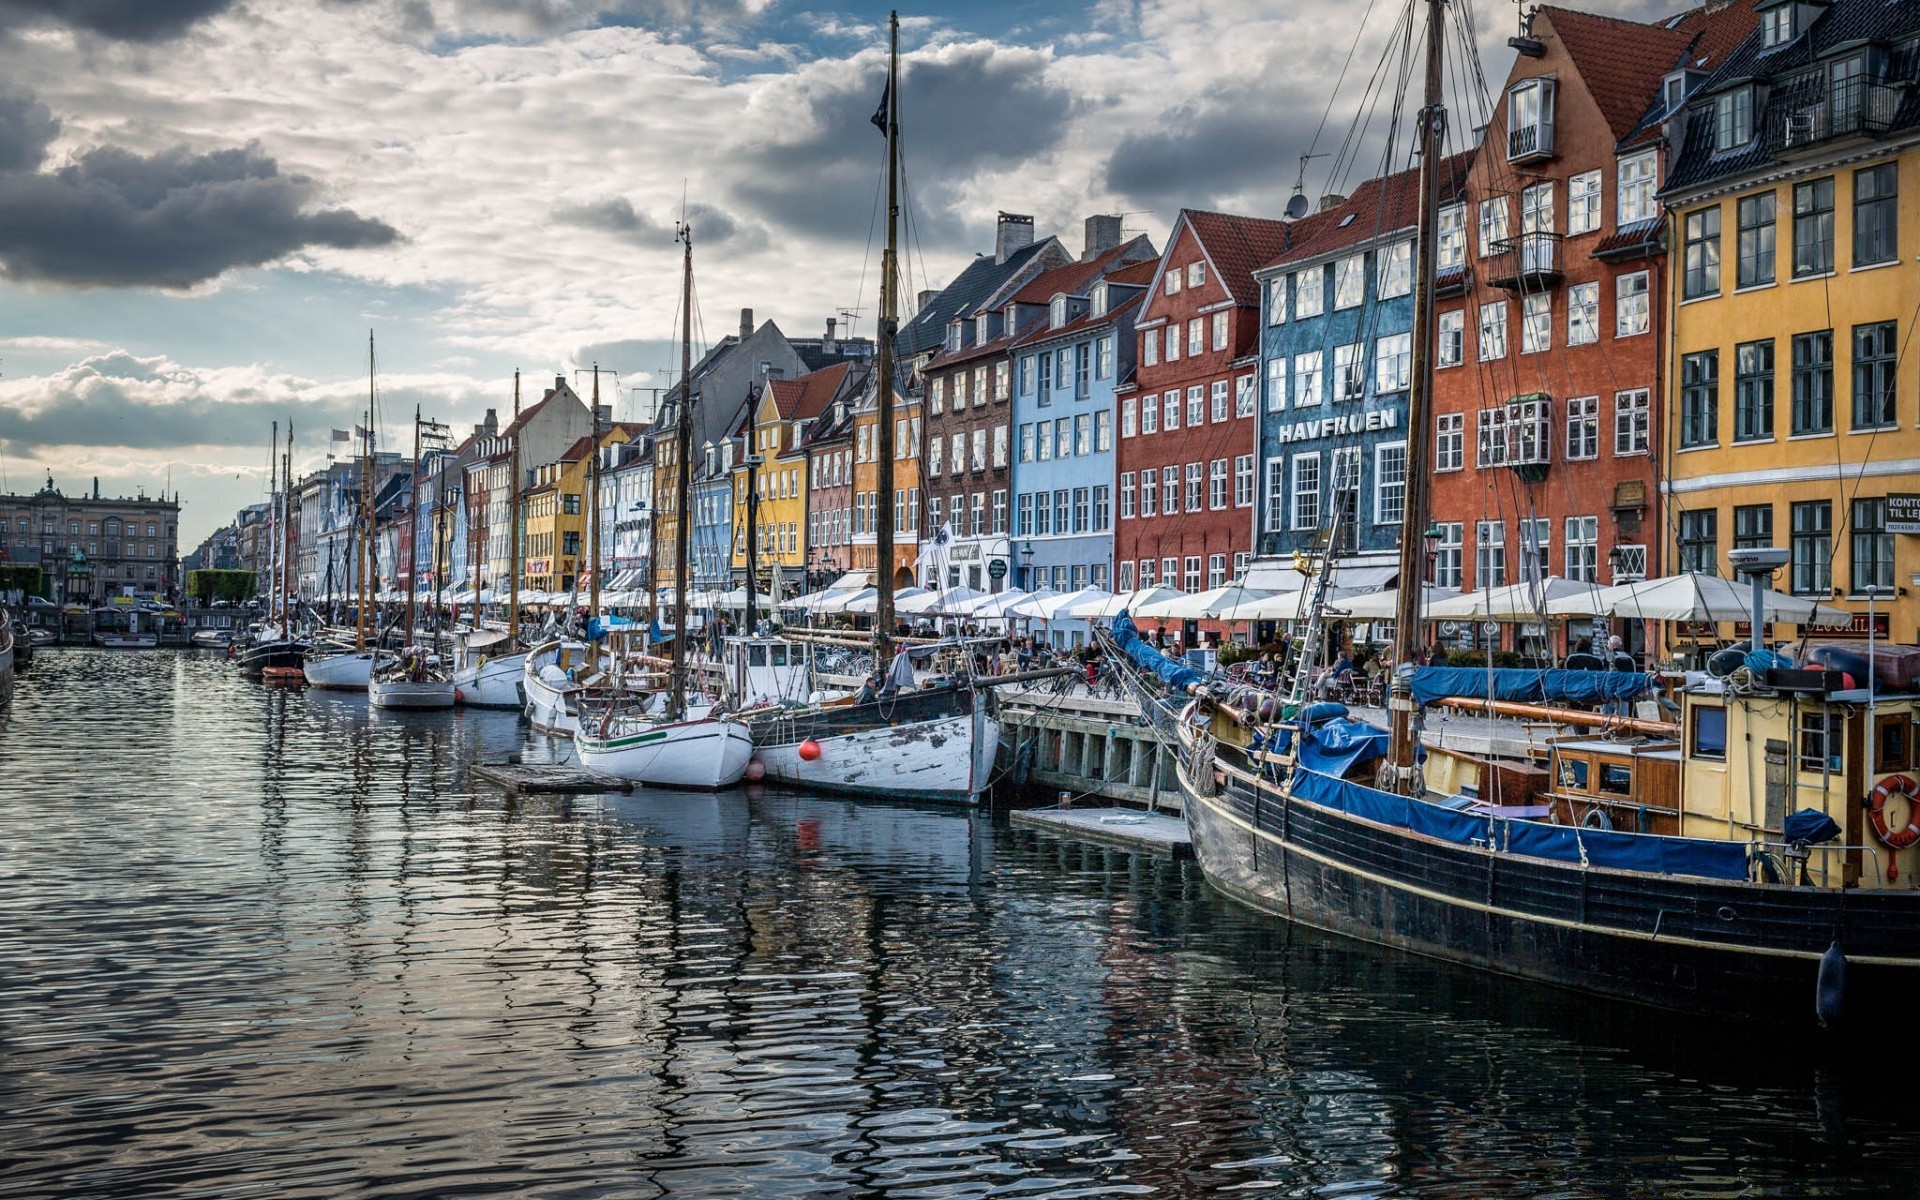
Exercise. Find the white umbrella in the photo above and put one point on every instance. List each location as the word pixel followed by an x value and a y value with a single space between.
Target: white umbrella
pixel 1385 606
pixel 844 601
pixel 737 598
pixel 927 602
pixel 1057 608
pixel 1283 606
pixel 867 600
pixel 1524 601
pixel 1113 606
pixel 1693 596
pixel 1202 605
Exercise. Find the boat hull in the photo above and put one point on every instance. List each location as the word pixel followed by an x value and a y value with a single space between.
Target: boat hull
pixel 350 672
pixel 256 658
pixel 127 641
pixel 1696 945
pixel 411 695
pixel 703 755
pixel 928 746
pixel 495 683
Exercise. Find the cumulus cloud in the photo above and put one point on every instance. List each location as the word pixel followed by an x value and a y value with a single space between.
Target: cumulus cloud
pixel 130 20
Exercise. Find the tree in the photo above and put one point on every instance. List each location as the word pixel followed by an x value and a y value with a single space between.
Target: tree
pixel 206 586
pixel 24 577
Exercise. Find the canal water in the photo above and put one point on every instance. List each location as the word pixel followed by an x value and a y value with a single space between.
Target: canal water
pixel 259 943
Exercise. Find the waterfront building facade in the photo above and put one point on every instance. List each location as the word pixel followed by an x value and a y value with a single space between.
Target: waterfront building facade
pixel 91 547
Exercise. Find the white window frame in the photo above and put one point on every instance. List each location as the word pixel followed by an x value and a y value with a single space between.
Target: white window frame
pixel 1583 428
pixel 1583 202
pixel 1350 282
pixel 1583 313
pixel 1309 388
pixel 1639 181
pixel 1450 349
pixel 1305 490
pixel 1386 486
pixel 1449 442
pixel 1536 323
pixel 1492 342
pixel 1392 363
pixel 1394 265
pixel 1632 305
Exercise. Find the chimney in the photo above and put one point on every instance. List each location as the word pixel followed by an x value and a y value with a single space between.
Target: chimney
pixel 1015 232
pixel 96 487
pixel 1331 200
pixel 925 298
pixel 829 345
pixel 489 426
pixel 602 415
pixel 559 384
pixel 1103 234
pixel 746 324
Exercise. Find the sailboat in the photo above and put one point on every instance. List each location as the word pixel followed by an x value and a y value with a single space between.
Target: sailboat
pixel 274 644
pixel 489 667
pixel 415 680
pixel 619 733
pixel 335 667
pixel 933 743
pixel 1663 870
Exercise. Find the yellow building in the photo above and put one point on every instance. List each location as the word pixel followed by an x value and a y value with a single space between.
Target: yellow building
pixel 906 485
pixel 773 473
pixel 555 544
pixel 1792 415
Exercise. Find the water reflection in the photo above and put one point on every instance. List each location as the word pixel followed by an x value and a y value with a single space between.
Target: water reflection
pixel 271 942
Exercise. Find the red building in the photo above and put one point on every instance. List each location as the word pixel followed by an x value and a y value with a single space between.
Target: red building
pixel 1549 327
pixel 1189 424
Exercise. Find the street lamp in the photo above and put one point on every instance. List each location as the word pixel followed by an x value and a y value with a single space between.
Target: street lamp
pixel 1430 540
pixel 1026 564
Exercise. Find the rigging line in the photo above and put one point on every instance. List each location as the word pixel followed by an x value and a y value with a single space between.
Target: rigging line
pixel 1860 475
pixel 1359 32
pixel 1347 156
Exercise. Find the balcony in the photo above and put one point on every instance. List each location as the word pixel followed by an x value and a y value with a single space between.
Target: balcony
pixel 1857 107
pixel 1530 143
pixel 1531 260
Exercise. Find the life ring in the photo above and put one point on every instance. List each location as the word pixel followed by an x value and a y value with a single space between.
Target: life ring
pixel 1904 787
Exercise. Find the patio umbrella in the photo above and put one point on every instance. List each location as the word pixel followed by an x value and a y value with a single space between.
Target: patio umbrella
pixel 1693 596
pixel 1385 606
pixel 927 602
pixel 844 601
pixel 1113 606
pixel 1283 606
pixel 737 598
pixel 1058 607
pixel 996 604
pixel 1202 605
pixel 1524 601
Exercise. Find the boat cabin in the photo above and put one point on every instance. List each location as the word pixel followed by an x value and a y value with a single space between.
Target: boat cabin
pixel 1602 783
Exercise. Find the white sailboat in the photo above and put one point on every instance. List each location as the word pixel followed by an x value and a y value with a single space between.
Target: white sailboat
pixel 483 676
pixel 336 667
pixel 416 680
pixel 619 733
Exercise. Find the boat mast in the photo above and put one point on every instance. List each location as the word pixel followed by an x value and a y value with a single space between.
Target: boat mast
pixel 683 482
pixel 413 522
pixel 363 541
pixel 513 522
pixel 1406 632
pixel 286 533
pixel 273 523
pixel 593 503
pixel 883 367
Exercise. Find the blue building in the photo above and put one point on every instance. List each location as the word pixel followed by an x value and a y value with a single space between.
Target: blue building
pixel 1066 367
pixel 1336 352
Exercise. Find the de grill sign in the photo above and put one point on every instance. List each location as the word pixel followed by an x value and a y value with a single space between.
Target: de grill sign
pixel 998 567
pixel 1903 512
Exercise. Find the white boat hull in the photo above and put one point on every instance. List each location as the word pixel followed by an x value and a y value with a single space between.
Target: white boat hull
pixel 341 672
pixel 495 683
pixel 550 703
pixel 407 694
pixel 127 641
pixel 949 759
pixel 703 754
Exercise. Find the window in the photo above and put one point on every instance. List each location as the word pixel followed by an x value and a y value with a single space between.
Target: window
pixel 1220 329
pixel 1392 363
pixel 1449 441
pixel 977 513
pixel 1389 483
pixel 1583 427
pixel 1394 265
pixel 1103 358
pixel 1536 216
pixel 1309 292
pixel 1063 437
pixel 1813 382
pixel 1063 511
pixel 1306 491
pixel 1493 331
pixel 1452 344
pixel 1064 368
pixel 1349 373
pixel 1173 342
pixel 1196 477
pixel 1583 203
pixel 1700 398
pixel 1639 176
pixel 1196 406
pixel 1169 490
pixel 1196 336
pixel 1193 573
pixel 1813 228
pixel 1123 577
pixel 1243 481
pixel 979 462
pixel 1536 323
pixel 1000 379
pixel 1530 119
pixel 1276 494
pixel 1699 540
pixel 1149 493
pixel 1083 434
pixel 1756 245
pixel 1306 378
pixel 1126 495
pixel 1493 224
pixel 1046 376
pixel 1217 484
pixel 1875 354
pixel 1000 511
pixel 1732 119
pixel 1631 314
pixel 1701 274
pixel 1583 549
pixel 1446 555
pixel 1875 215
pixel 1536 549
pixel 1023 516
pixel 1753 391
pixel 1129 417
pixel 999 445
pixel 1081 513
pixel 1149 348
pixel 1243 396
pixel 1632 416
pixel 1277 300
pixel 1583 314
pixel 1149 414
pixel 1489 554
pixel 1451 238
pixel 1217 398
pixel 1776 26
pixel 1196 274
pixel 1173 281
pixel 1812 547
pixel 1146 572
pixel 1216 570
pixel 1350 282
pixel 1872 546
pixel 1102 430
pixel 1170 411
pixel 1816 741
pixel 1752 526
pixel 1345 490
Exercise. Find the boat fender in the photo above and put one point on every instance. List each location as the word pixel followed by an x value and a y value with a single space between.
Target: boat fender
pixel 1830 988
pixel 1597 818
pixel 1904 787
pixel 809 750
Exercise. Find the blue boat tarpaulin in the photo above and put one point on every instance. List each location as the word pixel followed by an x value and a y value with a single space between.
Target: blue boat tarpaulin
pixel 1528 685
pixel 597 627
pixel 1174 673
pixel 1649 852
pixel 1333 748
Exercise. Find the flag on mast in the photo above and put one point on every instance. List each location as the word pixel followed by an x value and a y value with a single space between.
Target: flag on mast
pixel 880 114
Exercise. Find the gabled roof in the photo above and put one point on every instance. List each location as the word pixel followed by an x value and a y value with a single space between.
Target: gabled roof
pixel 1236 245
pixel 1138 274
pixel 808 396
pixel 981 278
pixel 1074 278
pixel 1378 206
pixel 1621 62
pixel 1042 332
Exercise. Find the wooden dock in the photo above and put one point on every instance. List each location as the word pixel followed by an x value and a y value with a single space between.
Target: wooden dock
pixel 1126 828
pixel 567 778
pixel 1089 747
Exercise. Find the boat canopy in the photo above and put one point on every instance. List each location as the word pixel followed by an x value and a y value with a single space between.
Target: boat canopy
pixel 1527 685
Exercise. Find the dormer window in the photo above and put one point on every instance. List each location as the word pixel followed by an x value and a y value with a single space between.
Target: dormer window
pixel 1777 26
pixel 1530 121
pixel 983 329
pixel 1732 119
pixel 953 337
pixel 1099 300
pixel 1058 314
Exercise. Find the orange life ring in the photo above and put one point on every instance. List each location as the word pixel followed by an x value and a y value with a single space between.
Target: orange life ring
pixel 1904 787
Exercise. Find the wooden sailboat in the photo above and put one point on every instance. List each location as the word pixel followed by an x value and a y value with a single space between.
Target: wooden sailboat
pixel 618 732
pixel 1712 898
pixel 490 667
pixel 936 743
pixel 415 680
pixel 274 644
pixel 333 667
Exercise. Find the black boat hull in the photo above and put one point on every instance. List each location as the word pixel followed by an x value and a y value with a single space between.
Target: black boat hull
pixel 255 659
pixel 1740 950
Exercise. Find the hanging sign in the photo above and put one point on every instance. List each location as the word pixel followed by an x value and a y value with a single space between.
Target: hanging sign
pixel 1903 512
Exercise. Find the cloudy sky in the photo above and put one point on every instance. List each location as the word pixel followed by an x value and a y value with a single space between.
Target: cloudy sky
pixel 206 204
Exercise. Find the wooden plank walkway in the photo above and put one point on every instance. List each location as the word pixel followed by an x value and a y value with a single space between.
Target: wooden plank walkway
pixel 1127 828
pixel 569 778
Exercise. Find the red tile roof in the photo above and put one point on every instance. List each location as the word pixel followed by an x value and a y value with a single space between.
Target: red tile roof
pixel 1041 331
pixel 1621 62
pixel 1138 274
pixel 1238 246
pixel 1377 206
pixel 1072 278
pixel 808 396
